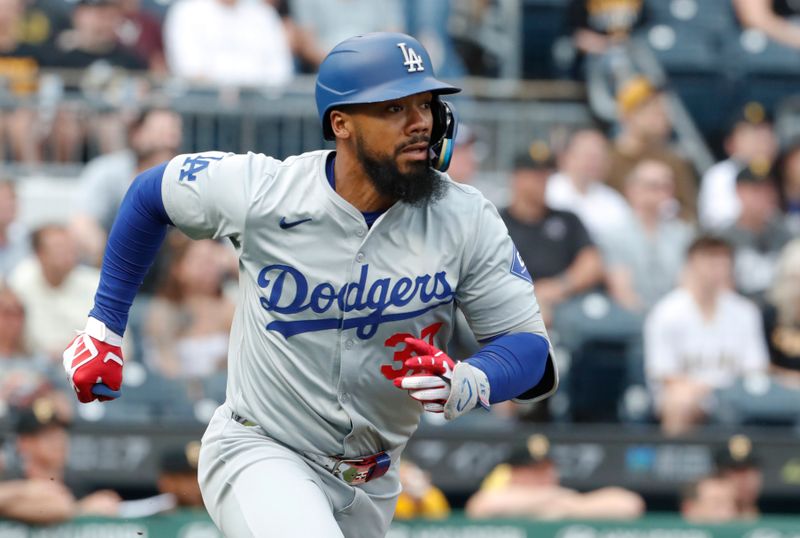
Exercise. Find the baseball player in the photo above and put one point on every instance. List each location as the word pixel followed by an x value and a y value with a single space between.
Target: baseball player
pixel 352 263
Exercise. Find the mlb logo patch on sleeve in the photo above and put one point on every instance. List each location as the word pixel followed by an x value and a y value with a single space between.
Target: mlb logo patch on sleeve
pixel 518 267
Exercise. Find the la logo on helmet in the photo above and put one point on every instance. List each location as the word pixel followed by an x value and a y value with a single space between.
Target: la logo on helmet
pixel 412 60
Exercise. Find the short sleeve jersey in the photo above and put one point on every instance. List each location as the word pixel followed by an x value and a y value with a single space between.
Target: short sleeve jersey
pixel 325 302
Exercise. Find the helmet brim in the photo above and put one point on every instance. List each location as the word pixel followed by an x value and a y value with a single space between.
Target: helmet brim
pixel 386 92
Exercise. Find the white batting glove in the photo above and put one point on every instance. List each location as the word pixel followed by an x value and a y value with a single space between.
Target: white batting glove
pixel 441 385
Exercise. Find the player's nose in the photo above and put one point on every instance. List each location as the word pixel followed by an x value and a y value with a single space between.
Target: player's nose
pixel 419 120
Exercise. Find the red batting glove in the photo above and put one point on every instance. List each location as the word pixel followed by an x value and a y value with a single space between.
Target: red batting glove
pixel 93 362
pixel 431 370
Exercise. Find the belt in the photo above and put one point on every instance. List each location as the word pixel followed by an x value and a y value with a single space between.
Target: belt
pixel 353 471
pixel 243 421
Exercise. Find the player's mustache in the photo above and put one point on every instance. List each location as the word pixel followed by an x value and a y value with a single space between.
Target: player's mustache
pixel 415 140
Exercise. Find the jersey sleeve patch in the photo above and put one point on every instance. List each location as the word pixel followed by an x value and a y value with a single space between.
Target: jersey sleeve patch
pixel 194 164
pixel 518 267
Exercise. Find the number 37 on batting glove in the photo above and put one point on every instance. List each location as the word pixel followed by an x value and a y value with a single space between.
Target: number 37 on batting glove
pixel 93 362
pixel 442 385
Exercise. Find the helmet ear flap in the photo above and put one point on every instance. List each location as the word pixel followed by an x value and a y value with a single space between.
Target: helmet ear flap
pixel 443 134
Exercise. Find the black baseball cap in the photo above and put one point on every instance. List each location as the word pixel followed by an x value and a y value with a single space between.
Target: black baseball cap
pixel 751 113
pixel 539 156
pixel 182 459
pixel 536 449
pixel 40 415
pixel 758 171
pixel 738 453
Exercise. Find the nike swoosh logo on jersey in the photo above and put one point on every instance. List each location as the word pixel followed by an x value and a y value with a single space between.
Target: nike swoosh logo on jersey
pixel 286 225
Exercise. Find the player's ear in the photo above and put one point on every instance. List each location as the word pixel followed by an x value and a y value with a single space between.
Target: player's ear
pixel 341 124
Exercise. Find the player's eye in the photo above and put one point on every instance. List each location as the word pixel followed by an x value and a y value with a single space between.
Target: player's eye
pixel 394 108
pixel 427 105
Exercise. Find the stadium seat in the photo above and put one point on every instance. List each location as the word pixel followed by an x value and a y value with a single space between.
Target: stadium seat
pixel 597 381
pixel 683 49
pixel 752 53
pixel 758 400
pixel 708 16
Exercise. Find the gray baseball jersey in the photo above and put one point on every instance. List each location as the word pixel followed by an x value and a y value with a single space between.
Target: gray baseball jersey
pixel 325 302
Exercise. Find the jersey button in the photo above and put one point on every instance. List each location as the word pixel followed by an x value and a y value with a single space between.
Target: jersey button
pixel 349 344
pixel 361 232
pixel 360 257
pixel 345 397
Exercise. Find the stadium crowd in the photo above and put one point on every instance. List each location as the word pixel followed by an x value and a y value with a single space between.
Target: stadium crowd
pixel 689 279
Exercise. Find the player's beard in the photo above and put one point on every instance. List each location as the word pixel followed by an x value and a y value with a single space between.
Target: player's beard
pixel 418 187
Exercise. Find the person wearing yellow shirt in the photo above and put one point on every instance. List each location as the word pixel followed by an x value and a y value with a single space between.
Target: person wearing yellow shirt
pixel 420 498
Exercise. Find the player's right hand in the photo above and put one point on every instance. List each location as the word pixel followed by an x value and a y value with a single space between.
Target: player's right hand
pixel 431 370
pixel 93 362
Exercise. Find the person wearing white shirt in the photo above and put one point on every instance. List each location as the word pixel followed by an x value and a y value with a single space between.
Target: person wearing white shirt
pixel 228 43
pixel 578 185
pixel 751 138
pixel 55 291
pixel 700 337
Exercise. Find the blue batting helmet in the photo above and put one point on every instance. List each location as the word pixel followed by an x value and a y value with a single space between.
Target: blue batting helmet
pixel 377 67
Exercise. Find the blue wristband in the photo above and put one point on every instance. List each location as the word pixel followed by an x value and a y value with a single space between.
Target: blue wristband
pixel 513 364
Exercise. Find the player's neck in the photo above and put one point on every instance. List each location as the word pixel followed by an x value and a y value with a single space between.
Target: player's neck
pixel 354 185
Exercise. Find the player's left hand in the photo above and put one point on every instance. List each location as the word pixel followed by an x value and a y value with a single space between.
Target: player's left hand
pixel 93 362
pixel 442 385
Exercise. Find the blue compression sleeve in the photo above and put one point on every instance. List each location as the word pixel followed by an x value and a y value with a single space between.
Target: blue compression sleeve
pixel 133 243
pixel 513 364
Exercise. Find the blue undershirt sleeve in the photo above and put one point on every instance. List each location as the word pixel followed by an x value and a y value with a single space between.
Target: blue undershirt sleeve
pixel 133 243
pixel 513 364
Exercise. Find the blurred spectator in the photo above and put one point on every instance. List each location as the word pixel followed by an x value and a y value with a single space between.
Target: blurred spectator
pixel 37 501
pixel 464 163
pixel 57 293
pixel 789 186
pixel 302 43
pixel 645 131
pixel 23 375
pixel 428 21
pixel 782 317
pixel 772 18
pixel 700 337
pixel 12 327
pixel 153 137
pixel 141 32
pixel 759 233
pixel 42 450
pixel 43 21
pixel 93 38
pixel 419 498
pixel 751 137
pixel 528 485
pixel 177 476
pixel 228 43
pixel 473 27
pixel 189 319
pixel 710 500
pixel 19 69
pixel 14 240
pixel 645 256
pixel 325 23
pixel 738 463
pixel 572 264
pixel 91 48
pixel 598 25
pixel 579 184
